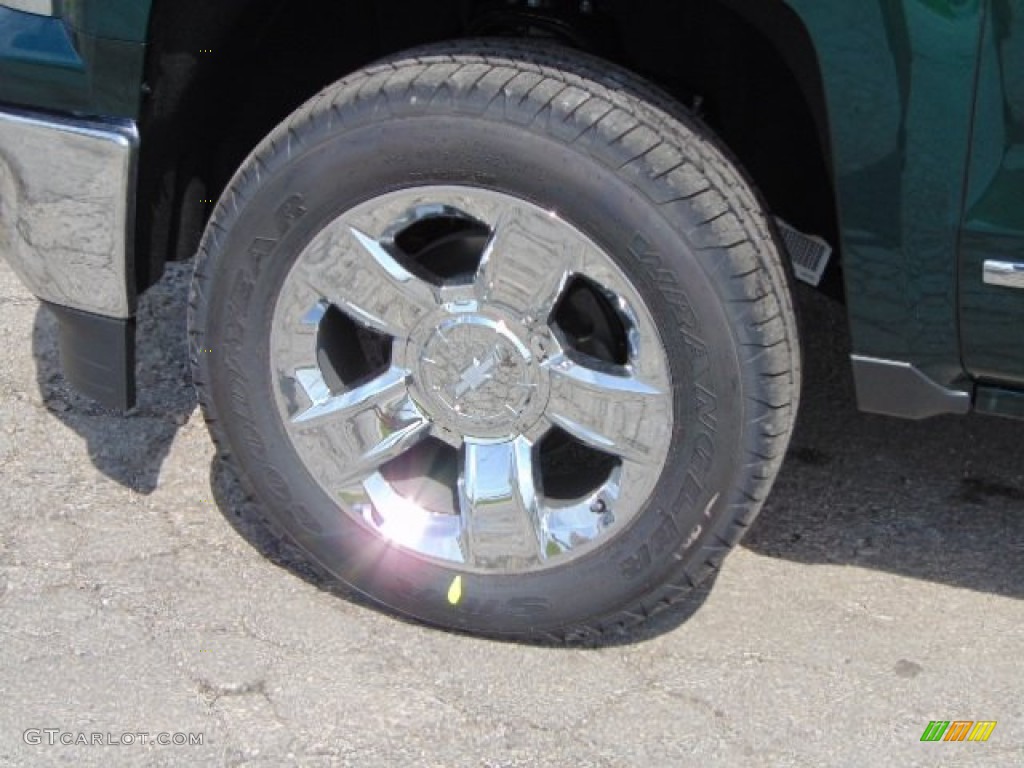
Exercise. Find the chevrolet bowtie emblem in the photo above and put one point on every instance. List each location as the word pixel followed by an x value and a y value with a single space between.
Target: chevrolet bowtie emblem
pixel 478 374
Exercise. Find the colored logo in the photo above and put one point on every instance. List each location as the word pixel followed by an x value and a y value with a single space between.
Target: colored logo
pixel 958 730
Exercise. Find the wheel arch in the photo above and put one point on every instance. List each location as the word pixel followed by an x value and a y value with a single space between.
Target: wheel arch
pixel 219 76
pixel 780 25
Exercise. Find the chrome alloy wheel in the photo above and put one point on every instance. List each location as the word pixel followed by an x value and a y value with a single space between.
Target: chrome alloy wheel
pixel 473 378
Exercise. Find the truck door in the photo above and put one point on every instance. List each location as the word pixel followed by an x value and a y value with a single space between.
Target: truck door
pixel 992 243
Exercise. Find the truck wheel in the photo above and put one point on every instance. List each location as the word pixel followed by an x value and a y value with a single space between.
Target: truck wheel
pixel 499 337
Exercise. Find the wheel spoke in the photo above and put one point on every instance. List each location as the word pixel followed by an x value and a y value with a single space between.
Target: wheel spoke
pixel 572 525
pixel 360 276
pixel 406 522
pixel 354 433
pixel 501 519
pixel 618 414
pixel 528 261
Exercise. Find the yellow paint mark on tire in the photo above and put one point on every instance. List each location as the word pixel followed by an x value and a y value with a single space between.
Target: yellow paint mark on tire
pixel 455 591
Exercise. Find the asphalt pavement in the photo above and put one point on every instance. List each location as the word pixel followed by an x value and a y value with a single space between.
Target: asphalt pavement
pixel 140 600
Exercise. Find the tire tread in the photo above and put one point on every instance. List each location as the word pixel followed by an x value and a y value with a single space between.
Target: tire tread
pixel 625 115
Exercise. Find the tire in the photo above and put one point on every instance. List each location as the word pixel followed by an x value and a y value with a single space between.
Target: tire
pixel 397 278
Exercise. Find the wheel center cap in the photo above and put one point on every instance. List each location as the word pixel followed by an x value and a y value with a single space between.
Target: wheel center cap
pixel 478 375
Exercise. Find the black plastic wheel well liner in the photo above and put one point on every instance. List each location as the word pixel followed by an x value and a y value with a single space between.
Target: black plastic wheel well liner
pixel 219 77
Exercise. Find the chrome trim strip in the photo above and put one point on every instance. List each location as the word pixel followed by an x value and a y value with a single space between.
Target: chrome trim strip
pixel 1006 274
pixel 67 209
pixel 38 7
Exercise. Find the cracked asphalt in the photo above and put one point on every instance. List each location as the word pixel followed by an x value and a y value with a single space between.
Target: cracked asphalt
pixel 880 589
